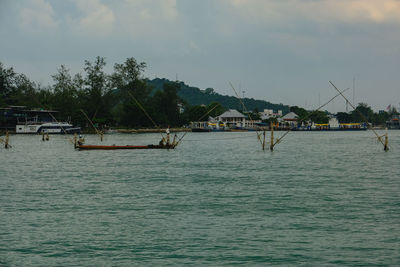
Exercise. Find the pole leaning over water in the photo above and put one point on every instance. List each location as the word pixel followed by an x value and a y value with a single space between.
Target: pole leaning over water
pixel 245 109
pixel 100 133
pixel 271 144
pixel 384 143
pixel 278 140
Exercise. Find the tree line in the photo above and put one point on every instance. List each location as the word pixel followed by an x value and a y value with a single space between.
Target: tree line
pixel 122 98
pixel 363 111
pixel 125 98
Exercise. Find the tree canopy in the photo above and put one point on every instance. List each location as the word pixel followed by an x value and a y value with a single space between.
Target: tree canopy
pixel 125 98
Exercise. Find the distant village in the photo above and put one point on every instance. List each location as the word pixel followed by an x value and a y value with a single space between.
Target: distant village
pixel 235 120
pixel 124 99
pixel 22 120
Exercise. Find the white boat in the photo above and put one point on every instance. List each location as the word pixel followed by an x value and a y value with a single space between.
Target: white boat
pixel 46 127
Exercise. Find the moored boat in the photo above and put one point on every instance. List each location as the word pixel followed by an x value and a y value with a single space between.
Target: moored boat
pixel 46 127
pixel 115 147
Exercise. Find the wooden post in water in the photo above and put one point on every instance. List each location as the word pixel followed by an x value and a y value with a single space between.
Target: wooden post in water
pixel 75 140
pixel 386 145
pixel 174 141
pixel 6 145
pixel 167 131
pixel 263 142
pixel 271 146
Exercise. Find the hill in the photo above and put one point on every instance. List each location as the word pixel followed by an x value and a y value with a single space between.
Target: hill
pixel 195 96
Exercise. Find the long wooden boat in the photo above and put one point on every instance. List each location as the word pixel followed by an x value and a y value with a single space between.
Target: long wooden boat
pixel 115 147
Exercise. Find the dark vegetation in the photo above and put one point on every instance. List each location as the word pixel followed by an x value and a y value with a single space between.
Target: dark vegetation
pixel 108 99
pixel 112 99
pixel 194 96
pixel 379 118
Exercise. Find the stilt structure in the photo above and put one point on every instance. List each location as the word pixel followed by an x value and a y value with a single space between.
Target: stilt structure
pixel 278 140
pixel 6 141
pixel 75 140
pixel 271 144
pixel 384 143
pixel 263 142
pixel 45 136
pixel 245 109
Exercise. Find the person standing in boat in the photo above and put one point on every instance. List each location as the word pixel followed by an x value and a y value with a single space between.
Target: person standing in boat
pixel 81 140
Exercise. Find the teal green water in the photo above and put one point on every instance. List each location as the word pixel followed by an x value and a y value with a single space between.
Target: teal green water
pixel 320 199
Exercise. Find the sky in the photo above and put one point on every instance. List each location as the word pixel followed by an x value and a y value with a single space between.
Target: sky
pixel 282 51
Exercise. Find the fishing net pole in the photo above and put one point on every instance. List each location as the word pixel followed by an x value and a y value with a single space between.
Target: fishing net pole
pixel 208 112
pixel 145 112
pixel 100 133
pixel 385 145
pixel 245 109
pixel 309 115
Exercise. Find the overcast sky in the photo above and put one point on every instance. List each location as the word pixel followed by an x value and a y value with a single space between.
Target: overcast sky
pixel 283 51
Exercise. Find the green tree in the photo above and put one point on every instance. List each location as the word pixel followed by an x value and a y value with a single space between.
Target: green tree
pixel 365 110
pixel 66 98
pixel 393 111
pixel 301 112
pixel 15 89
pixel 215 109
pixel 24 92
pixel 165 105
pixel 98 97
pixel 319 117
pixel 380 118
pixel 7 85
pixel 130 87
pixel 344 117
pixel 209 91
pixel 195 113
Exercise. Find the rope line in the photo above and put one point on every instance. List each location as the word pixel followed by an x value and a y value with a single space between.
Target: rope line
pixel 87 117
pixel 144 111
pixel 245 109
pixel 309 115
pixel 362 115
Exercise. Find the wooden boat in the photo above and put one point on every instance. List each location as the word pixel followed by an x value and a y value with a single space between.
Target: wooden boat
pixel 115 147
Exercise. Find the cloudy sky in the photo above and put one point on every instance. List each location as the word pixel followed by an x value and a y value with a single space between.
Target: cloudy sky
pixel 283 51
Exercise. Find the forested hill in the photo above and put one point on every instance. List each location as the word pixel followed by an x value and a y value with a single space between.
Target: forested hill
pixel 195 96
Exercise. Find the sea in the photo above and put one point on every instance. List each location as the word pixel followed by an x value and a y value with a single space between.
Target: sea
pixel 218 199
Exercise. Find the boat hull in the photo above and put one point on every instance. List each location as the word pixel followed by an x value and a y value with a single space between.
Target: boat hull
pixel 49 128
pixel 114 147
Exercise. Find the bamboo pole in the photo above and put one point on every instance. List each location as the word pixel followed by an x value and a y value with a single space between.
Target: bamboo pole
pixel 386 146
pixel 245 109
pixel 263 143
pixel 208 112
pixel 271 146
pixel 100 133
pixel 309 115
pixel 6 141
pixel 384 143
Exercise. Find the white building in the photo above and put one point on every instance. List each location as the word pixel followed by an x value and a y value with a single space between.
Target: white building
pixel 289 119
pixel 233 118
pixel 269 113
